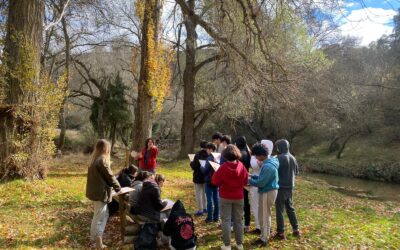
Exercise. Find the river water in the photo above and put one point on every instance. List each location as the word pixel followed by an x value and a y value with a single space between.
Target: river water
pixel 358 187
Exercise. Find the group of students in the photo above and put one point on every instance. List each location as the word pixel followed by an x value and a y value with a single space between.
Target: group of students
pixel 247 181
pixel 173 225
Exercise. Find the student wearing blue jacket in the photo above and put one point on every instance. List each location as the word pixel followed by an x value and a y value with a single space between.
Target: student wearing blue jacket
pixel 267 183
pixel 211 190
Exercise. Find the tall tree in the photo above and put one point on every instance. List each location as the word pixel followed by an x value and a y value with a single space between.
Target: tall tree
pixel 193 118
pixel 22 56
pixel 155 71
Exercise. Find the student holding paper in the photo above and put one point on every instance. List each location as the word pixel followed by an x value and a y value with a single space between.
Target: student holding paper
pixel 225 141
pixel 267 183
pixel 148 156
pixel 211 190
pixel 198 178
pixel 231 177
pixel 100 182
pixel 216 139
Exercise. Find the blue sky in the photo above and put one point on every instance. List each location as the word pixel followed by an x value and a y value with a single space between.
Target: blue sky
pixel 368 19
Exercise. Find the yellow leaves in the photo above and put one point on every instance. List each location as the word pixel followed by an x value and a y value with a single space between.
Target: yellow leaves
pixel 139 8
pixel 160 70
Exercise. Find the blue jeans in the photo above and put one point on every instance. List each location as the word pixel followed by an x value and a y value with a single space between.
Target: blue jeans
pixel 212 199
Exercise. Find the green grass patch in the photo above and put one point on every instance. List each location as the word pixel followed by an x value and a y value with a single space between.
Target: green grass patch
pixel 54 214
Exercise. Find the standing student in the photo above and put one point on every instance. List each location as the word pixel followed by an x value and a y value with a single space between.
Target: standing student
pixel 225 141
pixel 288 169
pixel 241 143
pixel 211 190
pixel 198 179
pixel 231 177
pixel 100 181
pixel 255 165
pixel 267 183
pixel 255 170
pixel 216 139
pixel 148 156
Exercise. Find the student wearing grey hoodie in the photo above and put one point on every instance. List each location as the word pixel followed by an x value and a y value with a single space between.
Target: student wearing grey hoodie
pixel 288 169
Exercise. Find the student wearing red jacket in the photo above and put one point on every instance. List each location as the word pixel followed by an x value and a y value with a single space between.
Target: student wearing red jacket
pixel 231 178
pixel 148 157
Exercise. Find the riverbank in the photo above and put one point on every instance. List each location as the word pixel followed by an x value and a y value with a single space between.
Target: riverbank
pixel 369 158
pixel 55 214
pixel 387 171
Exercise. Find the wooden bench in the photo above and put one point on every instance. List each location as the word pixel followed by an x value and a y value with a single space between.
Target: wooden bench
pixel 129 227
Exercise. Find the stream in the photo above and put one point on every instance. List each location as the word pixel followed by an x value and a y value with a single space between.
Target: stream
pixel 358 187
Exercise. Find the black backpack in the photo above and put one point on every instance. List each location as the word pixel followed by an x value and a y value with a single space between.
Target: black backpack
pixel 147 239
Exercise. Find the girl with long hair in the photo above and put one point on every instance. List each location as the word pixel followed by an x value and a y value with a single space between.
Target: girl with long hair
pixel 100 181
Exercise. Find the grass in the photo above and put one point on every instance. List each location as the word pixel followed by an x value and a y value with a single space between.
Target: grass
pixel 54 214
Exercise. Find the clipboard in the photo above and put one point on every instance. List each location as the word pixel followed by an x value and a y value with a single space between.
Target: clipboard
pixel 191 157
pixel 168 206
pixel 217 157
pixel 123 190
pixel 214 165
pixel 203 163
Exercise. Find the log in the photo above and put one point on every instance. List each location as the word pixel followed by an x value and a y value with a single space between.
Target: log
pixel 130 239
pixel 131 230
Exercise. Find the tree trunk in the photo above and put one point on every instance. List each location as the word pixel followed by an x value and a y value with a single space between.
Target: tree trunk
pixel 339 154
pixel 189 78
pixel 100 120
pixel 63 126
pixel 143 112
pixel 23 41
pixel 113 135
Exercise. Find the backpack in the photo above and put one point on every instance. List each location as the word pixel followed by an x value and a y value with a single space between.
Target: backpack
pixel 147 237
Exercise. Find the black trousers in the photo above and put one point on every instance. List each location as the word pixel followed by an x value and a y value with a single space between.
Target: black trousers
pixel 246 208
pixel 284 201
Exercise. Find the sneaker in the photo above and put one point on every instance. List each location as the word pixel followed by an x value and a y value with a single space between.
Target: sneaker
pixel 278 236
pixel 239 247
pixel 246 229
pixel 256 231
pixel 99 243
pixel 259 243
pixel 199 213
pixel 215 220
pixel 296 233
pixel 225 247
pixel 207 221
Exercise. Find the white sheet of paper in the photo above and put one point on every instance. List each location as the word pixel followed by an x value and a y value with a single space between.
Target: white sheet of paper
pixel 203 163
pixel 214 165
pixel 123 190
pixel 168 206
pixel 135 154
pixel 191 157
pixel 217 157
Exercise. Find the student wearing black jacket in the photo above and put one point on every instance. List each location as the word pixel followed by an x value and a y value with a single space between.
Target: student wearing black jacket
pixel 198 179
pixel 241 143
pixel 149 205
pixel 180 228
pixel 127 175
